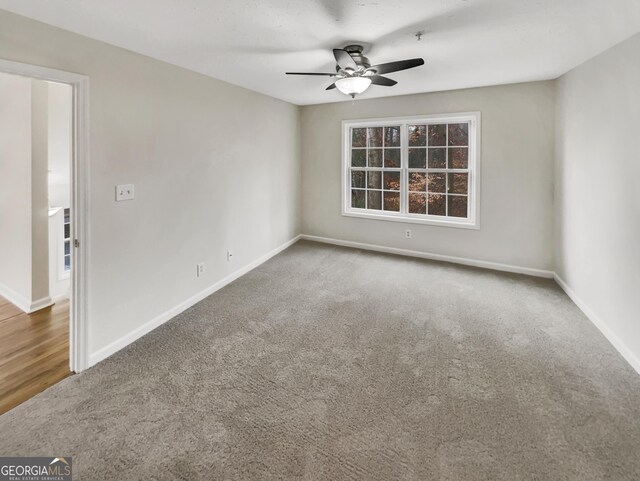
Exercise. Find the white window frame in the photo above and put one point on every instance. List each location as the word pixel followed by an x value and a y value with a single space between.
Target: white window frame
pixel 472 221
pixel 63 273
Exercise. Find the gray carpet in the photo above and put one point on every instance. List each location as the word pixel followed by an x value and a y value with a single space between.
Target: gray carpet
pixel 328 363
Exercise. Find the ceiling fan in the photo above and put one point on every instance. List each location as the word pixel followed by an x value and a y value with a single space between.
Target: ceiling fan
pixel 355 74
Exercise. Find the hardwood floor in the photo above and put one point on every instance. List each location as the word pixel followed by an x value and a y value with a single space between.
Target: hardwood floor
pixel 34 351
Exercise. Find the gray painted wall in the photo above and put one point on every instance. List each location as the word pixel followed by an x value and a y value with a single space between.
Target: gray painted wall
pixel 24 243
pixel 516 225
pixel 39 190
pixel 15 189
pixel 60 142
pixel 598 188
pixel 215 167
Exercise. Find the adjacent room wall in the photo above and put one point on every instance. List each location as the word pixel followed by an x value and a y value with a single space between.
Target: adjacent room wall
pixel 598 192
pixel 60 141
pixel 24 233
pixel 516 226
pixel 39 193
pixel 215 167
pixel 36 158
pixel 15 189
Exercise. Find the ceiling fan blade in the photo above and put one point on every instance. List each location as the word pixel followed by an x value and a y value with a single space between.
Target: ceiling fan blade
pixel 397 66
pixel 312 73
pixel 344 59
pixel 380 80
pixel 332 86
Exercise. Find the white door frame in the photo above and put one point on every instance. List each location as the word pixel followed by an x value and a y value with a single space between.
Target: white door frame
pixel 78 325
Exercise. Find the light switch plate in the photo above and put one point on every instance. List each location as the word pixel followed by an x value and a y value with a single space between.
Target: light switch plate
pixel 124 192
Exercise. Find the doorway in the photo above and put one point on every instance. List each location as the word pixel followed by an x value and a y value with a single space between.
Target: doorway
pixel 43 335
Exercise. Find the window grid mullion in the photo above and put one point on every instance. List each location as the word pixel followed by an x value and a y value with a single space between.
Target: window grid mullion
pixel 446 177
pixel 404 165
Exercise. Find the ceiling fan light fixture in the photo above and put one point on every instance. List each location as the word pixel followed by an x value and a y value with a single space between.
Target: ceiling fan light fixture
pixel 353 85
pixel 354 73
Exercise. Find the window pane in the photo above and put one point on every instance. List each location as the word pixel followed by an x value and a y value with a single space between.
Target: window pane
pixel 437 134
pixel 392 158
pixel 458 134
pixel 436 172
pixel 374 179
pixel 375 158
pixel 67 263
pixel 358 158
pixel 457 205
pixel 458 183
pixel 417 182
pixel 417 135
pixel 392 201
pixel 437 183
pixel 67 231
pixel 359 138
pixel 417 158
pixel 67 247
pixel 357 198
pixel 392 136
pixel 374 199
pixel 392 180
pixel 358 179
pixel 459 158
pixel 436 204
pixel 417 203
pixel 437 158
pixel 375 137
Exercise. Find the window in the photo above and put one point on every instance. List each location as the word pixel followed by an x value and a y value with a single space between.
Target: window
pixel 67 240
pixel 418 169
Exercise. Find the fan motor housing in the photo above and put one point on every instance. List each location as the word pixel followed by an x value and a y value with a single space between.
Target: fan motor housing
pixel 356 54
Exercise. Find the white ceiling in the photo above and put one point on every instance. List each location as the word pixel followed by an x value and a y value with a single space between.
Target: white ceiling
pixel 466 43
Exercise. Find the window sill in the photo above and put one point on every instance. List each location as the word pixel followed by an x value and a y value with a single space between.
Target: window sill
pixel 462 224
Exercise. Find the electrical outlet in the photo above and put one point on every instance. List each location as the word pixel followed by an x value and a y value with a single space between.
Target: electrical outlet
pixel 124 192
pixel 229 256
pixel 407 233
pixel 200 269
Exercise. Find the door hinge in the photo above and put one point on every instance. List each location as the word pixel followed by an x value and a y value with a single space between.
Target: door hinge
pixel 76 243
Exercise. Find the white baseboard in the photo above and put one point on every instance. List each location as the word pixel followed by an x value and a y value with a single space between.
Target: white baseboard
pixel 60 298
pixel 40 304
pixel 615 341
pixel 124 341
pixel 436 257
pixel 15 298
pixel 21 302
